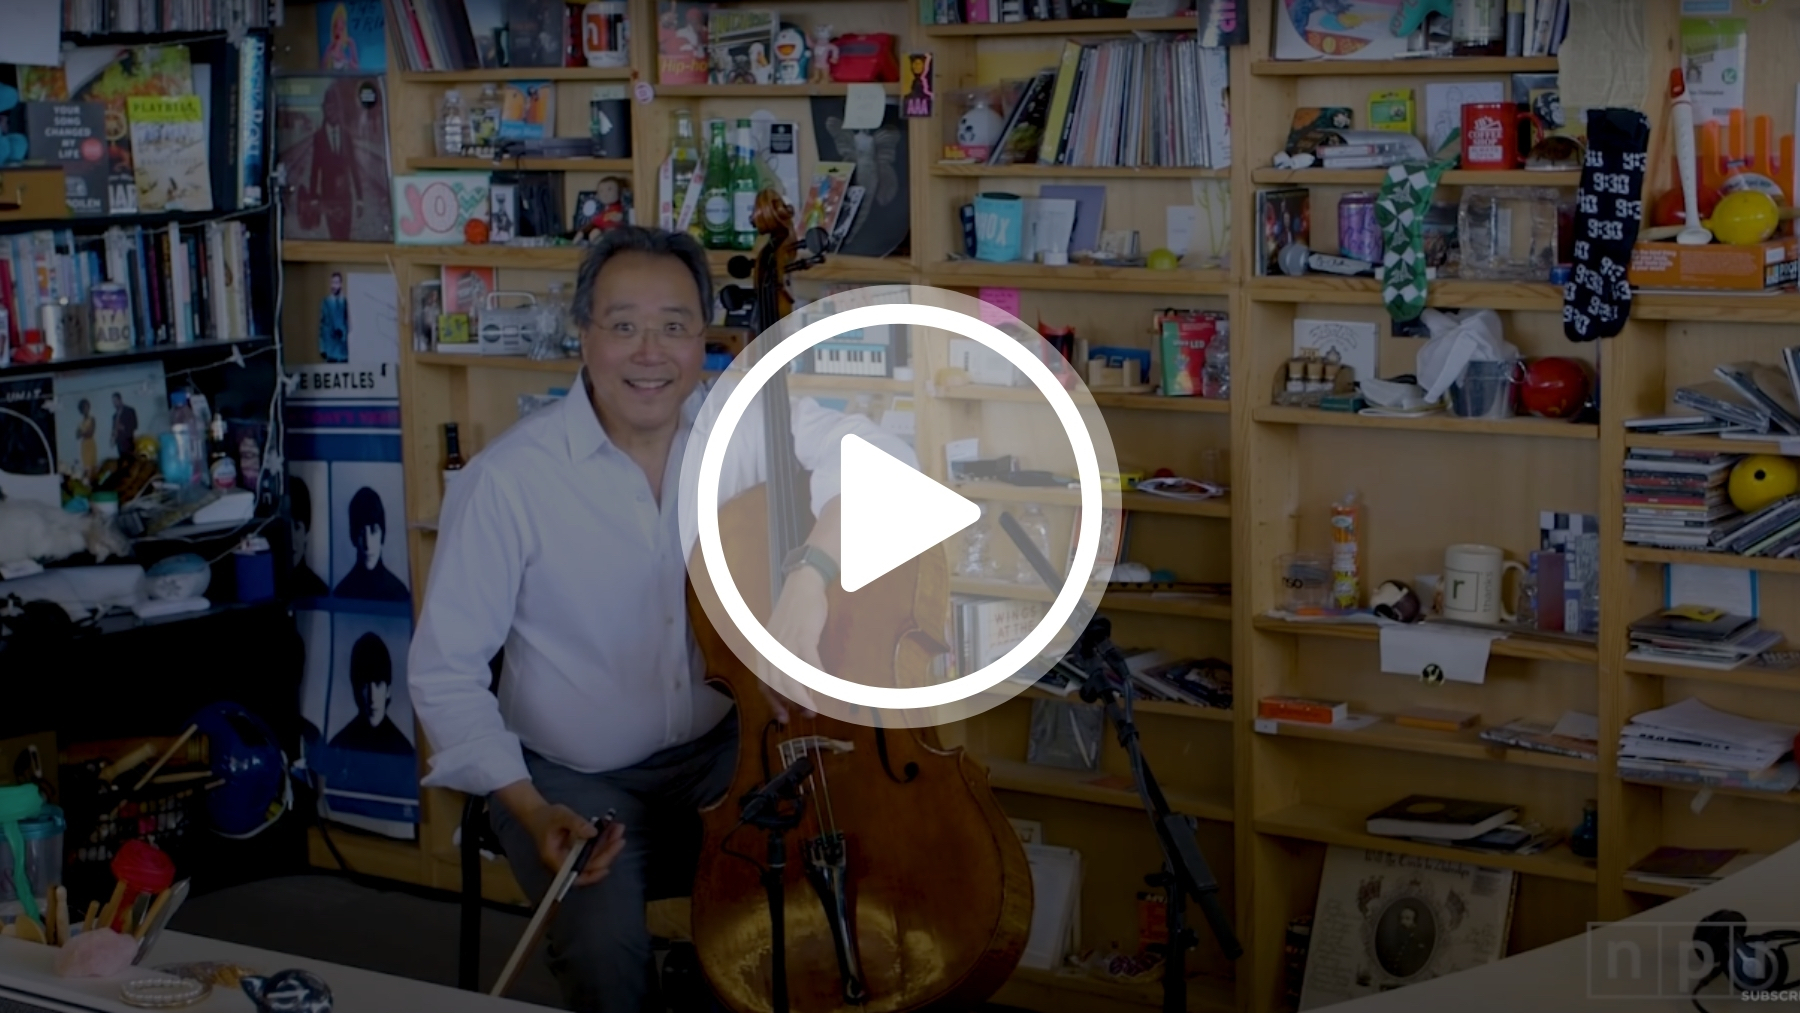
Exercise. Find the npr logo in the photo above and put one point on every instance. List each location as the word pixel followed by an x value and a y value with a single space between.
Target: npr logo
pixel 1649 960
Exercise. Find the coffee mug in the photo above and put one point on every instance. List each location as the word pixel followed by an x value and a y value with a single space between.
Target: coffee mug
pixel 1490 135
pixel 605 33
pixel 1472 584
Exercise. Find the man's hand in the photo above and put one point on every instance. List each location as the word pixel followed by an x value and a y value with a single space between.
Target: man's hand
pixel 557 828
pixel 797 622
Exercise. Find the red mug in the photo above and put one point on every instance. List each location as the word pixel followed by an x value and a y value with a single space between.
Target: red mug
pixel 1491 133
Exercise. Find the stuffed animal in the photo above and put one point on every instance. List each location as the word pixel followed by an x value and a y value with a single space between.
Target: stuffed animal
pixel 12 146
pixel 824 54
pixel 790 55
pixel 37 531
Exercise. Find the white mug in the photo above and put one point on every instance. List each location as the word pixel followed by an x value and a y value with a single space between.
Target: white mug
pixel 1472 584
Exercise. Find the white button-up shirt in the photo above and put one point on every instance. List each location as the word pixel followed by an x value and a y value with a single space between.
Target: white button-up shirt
pixel 551 546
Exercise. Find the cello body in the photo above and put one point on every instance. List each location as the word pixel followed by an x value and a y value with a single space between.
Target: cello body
pixel 904 886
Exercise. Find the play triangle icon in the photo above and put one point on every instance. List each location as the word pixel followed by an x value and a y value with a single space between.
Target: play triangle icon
pixel 890 513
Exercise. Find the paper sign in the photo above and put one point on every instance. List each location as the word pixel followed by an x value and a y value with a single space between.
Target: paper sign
pixel 1576 725
pixel 865 106
pixel 33 33
pixel 1182 220
pixel 999 306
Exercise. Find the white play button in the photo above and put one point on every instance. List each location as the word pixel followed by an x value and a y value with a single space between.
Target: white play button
pixel 890 513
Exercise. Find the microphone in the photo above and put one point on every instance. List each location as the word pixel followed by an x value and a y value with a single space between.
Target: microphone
pixel 769 795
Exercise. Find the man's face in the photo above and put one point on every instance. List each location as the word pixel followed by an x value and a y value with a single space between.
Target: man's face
pixel 337 284
pixel 646 344
pixel 118 402
pixel 1407 918
pixel 371 552
pixel 377 697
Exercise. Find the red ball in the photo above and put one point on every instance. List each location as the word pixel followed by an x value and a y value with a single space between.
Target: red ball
pixel 1554 388
pixel 1671 207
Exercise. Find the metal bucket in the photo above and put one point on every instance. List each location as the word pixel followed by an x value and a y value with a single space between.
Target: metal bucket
pixel 1487 390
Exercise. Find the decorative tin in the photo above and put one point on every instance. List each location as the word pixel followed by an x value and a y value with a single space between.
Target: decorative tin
pixel 112 318
pixel 1359 234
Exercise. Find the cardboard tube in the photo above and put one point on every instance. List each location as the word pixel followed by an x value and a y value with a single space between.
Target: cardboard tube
pixel 111 910
pixel 164 758
pixel 130 760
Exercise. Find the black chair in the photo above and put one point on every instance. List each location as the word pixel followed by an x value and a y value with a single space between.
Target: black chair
pixel 671 878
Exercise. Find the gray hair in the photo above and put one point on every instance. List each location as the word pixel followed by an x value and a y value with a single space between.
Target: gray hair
pixel 638 239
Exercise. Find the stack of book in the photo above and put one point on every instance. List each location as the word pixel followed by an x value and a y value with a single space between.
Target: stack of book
pixel 1690 743
pixel 986 628
pixel 1368 149
pixel 1492 827
pixel 1573 735
pixel 1703 639
pixel 1690 867
pixel 1158 675
pixel 1676 499
pixel 1155 101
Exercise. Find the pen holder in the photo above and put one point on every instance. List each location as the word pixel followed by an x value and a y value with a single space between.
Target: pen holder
pixel 999 226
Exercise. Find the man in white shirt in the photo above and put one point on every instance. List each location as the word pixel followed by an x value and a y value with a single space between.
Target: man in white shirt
pixel 560 542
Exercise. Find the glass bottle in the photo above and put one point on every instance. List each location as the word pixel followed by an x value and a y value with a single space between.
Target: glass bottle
pixel 684 156
pixel 716 205
pixel 745 182
pixel 1478 27
pixel 557 339
pixel 977 562
pixel 1584 840
pixel 453 458
pixel 452 125
pixel 1215 371
pixel 1037 528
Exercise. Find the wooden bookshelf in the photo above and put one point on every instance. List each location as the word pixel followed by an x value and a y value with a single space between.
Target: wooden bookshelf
pixel 1540 428
pixel 1423 67
pixel 966 274
pixel 1326 825
pixel 1374 177
pixel 1109 174
pixel 500 74
pixel 521 164
pixel 1079 28
pixel 1446 293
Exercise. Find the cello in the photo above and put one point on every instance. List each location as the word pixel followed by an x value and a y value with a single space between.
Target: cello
pixel 909 889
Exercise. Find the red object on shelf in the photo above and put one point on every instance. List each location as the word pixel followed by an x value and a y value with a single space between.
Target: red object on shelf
pixel 1554 388
pixel 865 57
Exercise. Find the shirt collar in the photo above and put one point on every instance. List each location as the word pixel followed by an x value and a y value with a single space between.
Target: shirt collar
pixel 587 436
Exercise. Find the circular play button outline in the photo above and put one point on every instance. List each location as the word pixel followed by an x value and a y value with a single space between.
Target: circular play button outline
pixel 1087 536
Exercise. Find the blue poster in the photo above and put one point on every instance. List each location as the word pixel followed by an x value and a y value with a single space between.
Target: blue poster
pixel 352 36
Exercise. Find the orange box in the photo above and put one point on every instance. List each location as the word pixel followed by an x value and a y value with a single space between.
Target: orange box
pixel 1290 708
pixel 1769 265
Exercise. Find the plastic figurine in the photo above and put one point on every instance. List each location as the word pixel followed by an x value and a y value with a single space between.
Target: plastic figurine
pixel 824 54
pixel 790 55
pixel 614 195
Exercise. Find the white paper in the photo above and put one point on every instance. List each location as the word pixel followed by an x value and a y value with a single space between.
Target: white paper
pixel 1426 651
pixel 33 33
pixel 865 106
pixel 374 311
pixel 1577 725
pixel 1713 586
pixel 1183 219
pixel 1700 721
pixel 1055 887
pixel 1049 222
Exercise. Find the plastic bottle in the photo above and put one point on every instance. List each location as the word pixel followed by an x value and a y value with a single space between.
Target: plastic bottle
pixel 555 321
pixel 1346 552
pixel 745 182
pixel 977 560
pixel 716 207
pixel 484 118
pixel 452 125
pixel 1036 527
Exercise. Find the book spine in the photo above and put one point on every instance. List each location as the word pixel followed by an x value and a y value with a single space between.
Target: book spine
pixel 1058 120
pixel 253 74
pixel 180 323
pixel 1287 708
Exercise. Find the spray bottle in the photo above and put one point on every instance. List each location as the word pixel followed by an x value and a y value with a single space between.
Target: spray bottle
pixel 1346 552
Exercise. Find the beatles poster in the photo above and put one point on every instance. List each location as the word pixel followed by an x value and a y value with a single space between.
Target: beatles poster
pixel 352 590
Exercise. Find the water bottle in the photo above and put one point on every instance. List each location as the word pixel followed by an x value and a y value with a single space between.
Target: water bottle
pixel 553 322
pixel 1037 528
pixel 1215 371
pixel 452 126
pixel 977 558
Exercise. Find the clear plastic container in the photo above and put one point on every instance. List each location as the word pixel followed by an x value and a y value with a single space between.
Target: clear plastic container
pixel 42 836
pixel 452 131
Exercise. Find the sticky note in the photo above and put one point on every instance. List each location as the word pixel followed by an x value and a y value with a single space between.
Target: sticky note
pixel 999 305
pixel 865 106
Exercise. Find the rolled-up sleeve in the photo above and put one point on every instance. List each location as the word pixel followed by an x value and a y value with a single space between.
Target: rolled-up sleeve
pixel 469 603
pixel 818 431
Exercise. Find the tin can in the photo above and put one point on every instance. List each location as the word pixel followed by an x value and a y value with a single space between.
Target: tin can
pixel 112 318
pixel 1359 234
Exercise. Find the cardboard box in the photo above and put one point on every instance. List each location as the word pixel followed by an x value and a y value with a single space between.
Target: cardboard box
pixel 1770 265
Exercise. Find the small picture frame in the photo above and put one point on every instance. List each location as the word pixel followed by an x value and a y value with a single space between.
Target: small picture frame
pixel 587 208
pixel 503 213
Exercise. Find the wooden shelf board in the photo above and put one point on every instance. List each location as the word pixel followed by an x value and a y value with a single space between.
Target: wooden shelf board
pixel 1210 607
pixel 1772 797
pixel 1336 826
pixel 1646 554
pixel 1552 428
pixel 566 367
pixel 315 251
pixel 1421 67
pixel 1077 27
pixel 1159 403
pixel 1205 995
pixel 1373 177
pixel 764 91
pixel 1077 277
pixel 1517 646
pixel 523 258
pixel 517 74
pixel 810 382
pixel 1466 744
pixel 1141 502
pixel 522 164
pixel 1632 885
pixel 1169 707
pixel 1528 296
pixel 1760 678
pixel 1031 169
pixel 1718 307
pixel 1015 775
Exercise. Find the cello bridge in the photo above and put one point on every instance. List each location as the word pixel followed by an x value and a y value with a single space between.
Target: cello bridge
pixel 793 749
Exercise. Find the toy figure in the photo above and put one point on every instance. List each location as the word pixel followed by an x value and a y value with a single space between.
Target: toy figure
pixel 790 55
pixel 760 68
pixel 740 69
pixel 613 195
pixel 824 54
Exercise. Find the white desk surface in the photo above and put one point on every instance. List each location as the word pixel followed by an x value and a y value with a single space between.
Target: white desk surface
pixel 27 967
pixel 1555 978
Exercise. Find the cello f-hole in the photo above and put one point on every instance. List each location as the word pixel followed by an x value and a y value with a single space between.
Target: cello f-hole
pixel 910 771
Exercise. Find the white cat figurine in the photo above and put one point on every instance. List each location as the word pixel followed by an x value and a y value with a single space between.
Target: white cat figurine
pixel 36 531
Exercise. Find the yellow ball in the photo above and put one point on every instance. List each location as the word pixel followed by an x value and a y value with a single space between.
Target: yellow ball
pixel 1163 260
pixel 1762 479
pixel 1744 218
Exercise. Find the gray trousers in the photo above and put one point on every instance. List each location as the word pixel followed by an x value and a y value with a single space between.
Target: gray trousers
pixel 598 946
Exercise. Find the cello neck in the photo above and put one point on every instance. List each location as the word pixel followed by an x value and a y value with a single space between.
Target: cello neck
pixel 790 514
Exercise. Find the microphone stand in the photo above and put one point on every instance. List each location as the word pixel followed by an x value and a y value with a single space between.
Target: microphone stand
pixel 1101 671
pixel 762 808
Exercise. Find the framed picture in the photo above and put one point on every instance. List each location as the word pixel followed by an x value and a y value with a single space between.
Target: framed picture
pixel 435 208
pixel 503 213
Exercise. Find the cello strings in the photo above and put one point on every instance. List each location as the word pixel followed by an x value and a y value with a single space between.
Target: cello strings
pixel 824 780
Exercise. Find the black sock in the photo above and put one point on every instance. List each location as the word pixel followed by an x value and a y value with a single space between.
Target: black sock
pixel 1609 207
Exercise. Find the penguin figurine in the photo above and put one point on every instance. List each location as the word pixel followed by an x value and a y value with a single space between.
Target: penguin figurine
pixel 292 991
